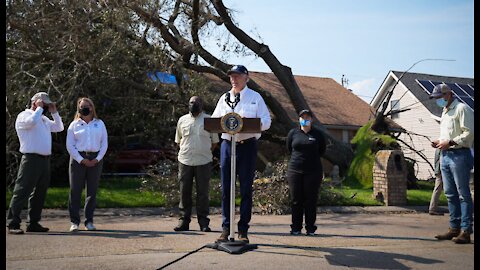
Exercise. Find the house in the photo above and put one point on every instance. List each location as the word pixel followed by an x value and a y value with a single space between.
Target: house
pixel 422 119
pixel 340 111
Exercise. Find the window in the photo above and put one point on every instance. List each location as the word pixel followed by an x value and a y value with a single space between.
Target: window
pixel 395 106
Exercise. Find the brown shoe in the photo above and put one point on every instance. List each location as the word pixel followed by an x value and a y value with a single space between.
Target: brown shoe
pixel 242 236
pixel 449 235
pixel 224 236
pixel 463 238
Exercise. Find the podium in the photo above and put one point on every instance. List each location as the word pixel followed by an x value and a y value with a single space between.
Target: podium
pixel 232 123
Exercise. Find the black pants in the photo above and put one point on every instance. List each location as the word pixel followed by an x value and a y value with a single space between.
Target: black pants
pixel 303 195
pixel 201 174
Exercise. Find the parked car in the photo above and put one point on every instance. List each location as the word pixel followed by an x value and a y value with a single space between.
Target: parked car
pixel 134 158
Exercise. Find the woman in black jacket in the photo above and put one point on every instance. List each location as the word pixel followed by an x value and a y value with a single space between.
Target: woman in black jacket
pixel 305 172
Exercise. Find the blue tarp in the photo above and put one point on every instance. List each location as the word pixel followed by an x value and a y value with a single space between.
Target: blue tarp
pixel 162 77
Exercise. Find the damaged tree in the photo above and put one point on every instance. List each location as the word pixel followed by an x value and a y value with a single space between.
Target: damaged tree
pixel 189 52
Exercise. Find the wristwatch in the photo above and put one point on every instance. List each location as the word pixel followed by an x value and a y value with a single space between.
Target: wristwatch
pixel 451 143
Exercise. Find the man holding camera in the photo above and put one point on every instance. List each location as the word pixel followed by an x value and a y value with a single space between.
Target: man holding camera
pixel 34 132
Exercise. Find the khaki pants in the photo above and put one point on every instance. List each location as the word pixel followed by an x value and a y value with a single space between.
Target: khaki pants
pixel 437 191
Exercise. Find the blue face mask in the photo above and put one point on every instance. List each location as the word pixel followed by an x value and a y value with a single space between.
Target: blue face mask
pixel 441 102
pixel 305 123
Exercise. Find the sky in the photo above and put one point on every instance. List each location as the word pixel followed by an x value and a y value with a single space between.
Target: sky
pixel 362 40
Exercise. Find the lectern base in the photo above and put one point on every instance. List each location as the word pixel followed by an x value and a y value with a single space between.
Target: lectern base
pixel 233 247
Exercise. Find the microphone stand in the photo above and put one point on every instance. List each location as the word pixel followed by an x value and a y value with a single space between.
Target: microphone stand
pixel 232 246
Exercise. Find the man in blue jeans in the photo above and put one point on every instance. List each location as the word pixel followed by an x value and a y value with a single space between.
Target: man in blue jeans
pixel 251 105
pixel 456 138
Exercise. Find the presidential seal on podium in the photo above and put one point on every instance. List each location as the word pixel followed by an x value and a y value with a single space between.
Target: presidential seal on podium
pixel 231 123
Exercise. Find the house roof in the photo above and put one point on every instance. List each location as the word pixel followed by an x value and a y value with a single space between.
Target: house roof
pixel 409 80
pixel 331 103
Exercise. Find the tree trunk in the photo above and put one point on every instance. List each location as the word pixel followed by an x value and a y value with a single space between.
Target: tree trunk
pixel 338 152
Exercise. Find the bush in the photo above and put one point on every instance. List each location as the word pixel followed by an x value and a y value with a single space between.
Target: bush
pixel 367 142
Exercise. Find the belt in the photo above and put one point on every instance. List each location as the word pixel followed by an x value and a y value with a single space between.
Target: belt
pixel 244 141
pixel 36 155
pixel 88 153
pixel 457 149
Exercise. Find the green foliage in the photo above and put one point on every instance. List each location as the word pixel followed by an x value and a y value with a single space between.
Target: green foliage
pixel 130 192
pixel 73 49
pixel 112 193
pixel 367 142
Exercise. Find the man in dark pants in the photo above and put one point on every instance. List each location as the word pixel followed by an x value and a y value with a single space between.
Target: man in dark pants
pixel 34 132
pixel 251 105
pixel 194 160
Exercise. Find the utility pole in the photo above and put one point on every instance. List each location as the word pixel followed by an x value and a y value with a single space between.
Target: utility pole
pixel 344 81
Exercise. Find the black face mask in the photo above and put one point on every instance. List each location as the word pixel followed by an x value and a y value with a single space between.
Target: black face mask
pixel 45 109
pixel 84 111
pixel 194 108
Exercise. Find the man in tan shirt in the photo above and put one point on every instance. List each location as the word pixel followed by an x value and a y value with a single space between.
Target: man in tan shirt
pixel 194 161
pixel 456 138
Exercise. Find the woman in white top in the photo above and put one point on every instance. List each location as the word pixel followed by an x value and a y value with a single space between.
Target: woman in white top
pixel 87 144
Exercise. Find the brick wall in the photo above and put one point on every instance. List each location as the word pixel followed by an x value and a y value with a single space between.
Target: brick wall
pixel 390 177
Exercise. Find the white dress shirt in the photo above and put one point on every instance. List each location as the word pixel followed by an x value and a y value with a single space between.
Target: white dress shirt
pixel 83 137
pixel 34 131
pixel 251 105
pixel 194 141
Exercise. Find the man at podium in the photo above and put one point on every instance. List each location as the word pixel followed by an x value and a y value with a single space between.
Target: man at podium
pixel 250 105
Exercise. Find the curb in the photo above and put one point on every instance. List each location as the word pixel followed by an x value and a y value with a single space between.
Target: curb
pixel 171 212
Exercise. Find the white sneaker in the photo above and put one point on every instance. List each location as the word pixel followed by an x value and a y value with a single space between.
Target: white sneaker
pixel 89 226
pixel 74 228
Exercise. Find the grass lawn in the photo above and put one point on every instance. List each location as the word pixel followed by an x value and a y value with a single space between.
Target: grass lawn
pixel 123 192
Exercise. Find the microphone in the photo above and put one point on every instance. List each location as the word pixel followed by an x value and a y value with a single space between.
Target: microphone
pixel 227 97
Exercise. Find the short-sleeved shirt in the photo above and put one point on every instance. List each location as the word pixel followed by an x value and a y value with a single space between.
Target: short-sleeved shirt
pixel 195 143
pixel 306 150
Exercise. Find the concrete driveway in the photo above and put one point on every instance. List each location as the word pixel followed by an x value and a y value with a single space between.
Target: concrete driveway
pixel 144 239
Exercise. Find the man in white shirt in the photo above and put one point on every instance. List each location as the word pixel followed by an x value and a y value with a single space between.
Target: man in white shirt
pixel 34 132
pixel 251 105
pixel 194 160
pixel 455 140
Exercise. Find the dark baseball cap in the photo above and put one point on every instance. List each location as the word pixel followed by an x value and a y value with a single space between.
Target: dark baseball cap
pixel 440 90
pixel 238 69
pixel 302 112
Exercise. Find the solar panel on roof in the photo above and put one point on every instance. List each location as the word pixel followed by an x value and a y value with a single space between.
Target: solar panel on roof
pixel 463 92
pixel 458 94
pixel 467 89
pixel 426 85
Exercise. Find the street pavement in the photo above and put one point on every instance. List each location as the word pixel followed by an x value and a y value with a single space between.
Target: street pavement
pixel 143 238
